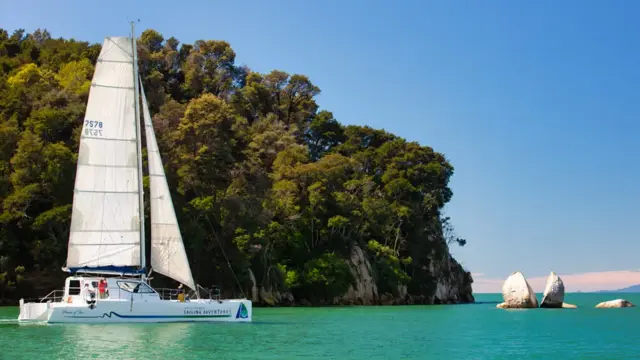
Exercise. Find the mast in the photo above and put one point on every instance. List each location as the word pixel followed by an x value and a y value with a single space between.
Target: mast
pixel 139 144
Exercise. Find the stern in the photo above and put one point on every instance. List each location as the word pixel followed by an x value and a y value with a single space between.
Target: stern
pixel 33 312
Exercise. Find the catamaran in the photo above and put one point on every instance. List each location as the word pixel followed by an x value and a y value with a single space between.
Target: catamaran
pixel 107 236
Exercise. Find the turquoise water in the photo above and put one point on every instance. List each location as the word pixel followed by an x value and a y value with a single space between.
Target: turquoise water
pixel 473 331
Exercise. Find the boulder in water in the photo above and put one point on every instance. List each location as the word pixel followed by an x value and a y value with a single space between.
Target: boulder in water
pixel 517 293
pixel 553 296
pixel 618 303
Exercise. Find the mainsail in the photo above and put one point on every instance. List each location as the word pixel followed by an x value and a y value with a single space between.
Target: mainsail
pixel 168 256
pixel 105 220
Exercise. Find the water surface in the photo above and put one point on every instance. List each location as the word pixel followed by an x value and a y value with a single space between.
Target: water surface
pixel 472 331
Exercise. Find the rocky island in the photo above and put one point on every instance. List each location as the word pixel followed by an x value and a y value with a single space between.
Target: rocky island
pixel 277 201
pixel 617 303
pixel 517 293
pixel 553 295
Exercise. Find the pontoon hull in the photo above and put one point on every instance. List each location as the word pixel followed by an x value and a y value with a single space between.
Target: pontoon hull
pixel 138 312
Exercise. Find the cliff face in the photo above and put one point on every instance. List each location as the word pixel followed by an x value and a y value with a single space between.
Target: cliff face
pixel 451 285
pixel 365 290
pixel 455 286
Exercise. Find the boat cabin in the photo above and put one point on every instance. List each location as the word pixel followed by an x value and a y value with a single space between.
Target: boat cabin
pixel 77 289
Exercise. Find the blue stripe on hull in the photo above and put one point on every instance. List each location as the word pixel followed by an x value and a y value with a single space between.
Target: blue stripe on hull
pixel 111 313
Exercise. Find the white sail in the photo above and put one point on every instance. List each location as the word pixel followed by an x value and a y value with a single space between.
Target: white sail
pixel 168 256
pixel 105 220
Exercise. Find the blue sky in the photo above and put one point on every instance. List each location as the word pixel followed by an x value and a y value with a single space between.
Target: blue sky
pixel 536 104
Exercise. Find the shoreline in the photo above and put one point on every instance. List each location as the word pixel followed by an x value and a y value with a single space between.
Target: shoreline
pixel 337 306
pixel 262 305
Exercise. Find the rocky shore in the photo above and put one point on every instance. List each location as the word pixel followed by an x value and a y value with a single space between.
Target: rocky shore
pixel 451 285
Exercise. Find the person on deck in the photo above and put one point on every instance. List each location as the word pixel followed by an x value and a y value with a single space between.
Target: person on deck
pixel 102 288
pixel 89 295
pixel 180 293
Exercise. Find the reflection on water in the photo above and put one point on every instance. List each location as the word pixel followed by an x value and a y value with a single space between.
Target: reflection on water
pixel 127 341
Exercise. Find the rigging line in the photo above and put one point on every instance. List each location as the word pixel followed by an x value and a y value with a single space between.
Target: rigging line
pixel 215 235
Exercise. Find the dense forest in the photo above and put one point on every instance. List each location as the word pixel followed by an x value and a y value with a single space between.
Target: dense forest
pixel 274 195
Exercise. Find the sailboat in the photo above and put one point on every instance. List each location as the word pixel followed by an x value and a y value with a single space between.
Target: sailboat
pixel 107 232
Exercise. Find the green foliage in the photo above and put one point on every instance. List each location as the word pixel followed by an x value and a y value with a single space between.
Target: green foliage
pixel 75 76
pixel 258 173
pixel 326 276
pixel 390 267
pixel 449 233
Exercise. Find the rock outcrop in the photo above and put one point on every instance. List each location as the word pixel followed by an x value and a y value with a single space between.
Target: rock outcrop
pixel 365 290
pixel 502 305
pixel 448 283
pixel 618 303
pixel 553 295
pixel 270 297
pixel 254 288
pixel 453 283
pixel 517 293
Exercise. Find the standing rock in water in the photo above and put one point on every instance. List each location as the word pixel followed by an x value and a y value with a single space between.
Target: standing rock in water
pixel 553 295
pixel 618 303
pixel 517 293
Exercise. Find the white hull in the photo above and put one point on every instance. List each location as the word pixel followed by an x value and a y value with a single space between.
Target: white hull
pixel 120 311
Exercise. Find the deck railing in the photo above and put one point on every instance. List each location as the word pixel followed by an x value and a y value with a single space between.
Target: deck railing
pixel 213 293
pixel 167 294
pixel 172 294
pixel 54 296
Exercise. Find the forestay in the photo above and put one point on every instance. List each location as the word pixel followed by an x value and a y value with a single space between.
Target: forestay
pixel 105 220
pixel 168 255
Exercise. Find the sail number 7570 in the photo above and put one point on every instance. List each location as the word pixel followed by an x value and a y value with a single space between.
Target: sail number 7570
pixel 93 128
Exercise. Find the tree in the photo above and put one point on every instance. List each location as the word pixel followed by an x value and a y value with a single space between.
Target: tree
pixel 265 185
pixel 75 77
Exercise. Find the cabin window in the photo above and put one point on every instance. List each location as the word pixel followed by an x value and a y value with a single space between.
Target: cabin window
pixel 74 287
pixel 135 287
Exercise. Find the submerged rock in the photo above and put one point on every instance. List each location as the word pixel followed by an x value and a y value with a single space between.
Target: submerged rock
pixel 517 293
pixel 618 303
pixel 553 296
pixel 568 306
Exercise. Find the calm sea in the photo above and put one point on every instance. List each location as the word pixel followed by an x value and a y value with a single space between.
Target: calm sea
pixel 473 331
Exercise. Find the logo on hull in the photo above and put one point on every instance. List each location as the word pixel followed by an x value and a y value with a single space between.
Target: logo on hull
pixel 242 313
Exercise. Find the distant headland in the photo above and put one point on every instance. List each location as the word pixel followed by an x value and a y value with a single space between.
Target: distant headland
pixel 629 289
